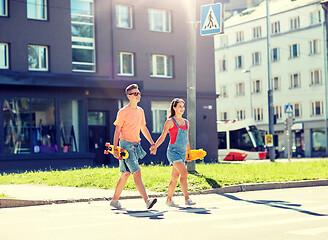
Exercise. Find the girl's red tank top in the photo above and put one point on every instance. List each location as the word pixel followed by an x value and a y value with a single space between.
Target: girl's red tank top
pixel 174 131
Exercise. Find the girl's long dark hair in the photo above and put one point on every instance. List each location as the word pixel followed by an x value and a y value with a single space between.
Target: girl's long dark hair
pixel 173 104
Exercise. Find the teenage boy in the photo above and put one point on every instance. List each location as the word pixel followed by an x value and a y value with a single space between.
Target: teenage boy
pixel 129 122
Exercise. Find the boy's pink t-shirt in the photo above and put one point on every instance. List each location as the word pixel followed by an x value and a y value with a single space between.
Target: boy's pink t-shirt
pixel 130 120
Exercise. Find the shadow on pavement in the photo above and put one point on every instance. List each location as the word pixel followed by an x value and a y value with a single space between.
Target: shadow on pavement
pixel 151 214
pixel 276 204
pixel 195 210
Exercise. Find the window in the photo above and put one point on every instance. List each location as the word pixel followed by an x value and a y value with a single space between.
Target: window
pixel 241 114
pixel 276 83
pixel 275 55
pixel 224 116
pixel 29 125
pixel 295 23
pixel 297 110
pixel 223 91
pixel 123 16
pixel 240 139
pixel 294 50
pixel 295 81
pixel 315 17
pixel 239 62
pixel 316 77
pixel 224 40
pixel 256 58
pixel 3 8
pixel 256 86
pixel 257 33
pixel 160 112
pixel 159 20
pixel 319 139
pixel 316 108
pixel 278 111
pixel 314 46
pixel 83 38
pixel 240 36
pixel 223 65
pixel 4 56
pixel 240 89
pixel 275 27
pixel 37 58
pixel 126 64
pixel 37 9
pixel 161 66
pixel 258 114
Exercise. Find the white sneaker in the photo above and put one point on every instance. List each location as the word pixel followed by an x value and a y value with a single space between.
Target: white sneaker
pixel 189 202
pixel 116 204
pixel 150 202
pixel 171 204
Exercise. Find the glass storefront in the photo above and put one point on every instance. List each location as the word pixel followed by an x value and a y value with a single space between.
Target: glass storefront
pixel 318 139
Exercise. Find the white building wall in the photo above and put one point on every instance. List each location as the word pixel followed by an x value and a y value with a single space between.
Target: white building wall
pixel 303 65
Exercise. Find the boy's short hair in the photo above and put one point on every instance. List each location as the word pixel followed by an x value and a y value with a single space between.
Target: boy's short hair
pixel 131 87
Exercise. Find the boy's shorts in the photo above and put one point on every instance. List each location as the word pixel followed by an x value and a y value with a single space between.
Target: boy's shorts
pixel 130 164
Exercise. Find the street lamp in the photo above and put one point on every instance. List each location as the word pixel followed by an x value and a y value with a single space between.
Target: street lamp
pixel 250 90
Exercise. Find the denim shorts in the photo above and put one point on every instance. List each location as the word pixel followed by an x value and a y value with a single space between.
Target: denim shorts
pixel 175 155
pixel 130 164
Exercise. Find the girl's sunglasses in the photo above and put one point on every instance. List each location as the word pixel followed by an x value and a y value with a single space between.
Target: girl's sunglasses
pixel 135 93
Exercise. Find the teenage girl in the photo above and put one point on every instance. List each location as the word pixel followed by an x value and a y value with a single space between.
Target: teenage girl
pixel 177 127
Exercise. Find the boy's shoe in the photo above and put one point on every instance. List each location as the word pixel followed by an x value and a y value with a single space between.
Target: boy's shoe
pixel 171 204
pixel 189 202
pixel 150 202
pixel 116 204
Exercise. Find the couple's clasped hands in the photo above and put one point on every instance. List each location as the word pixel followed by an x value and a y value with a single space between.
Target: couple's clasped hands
pixel 153 149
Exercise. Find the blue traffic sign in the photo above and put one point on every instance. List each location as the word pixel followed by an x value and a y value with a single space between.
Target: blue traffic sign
pixel 289 108
pixel 211 19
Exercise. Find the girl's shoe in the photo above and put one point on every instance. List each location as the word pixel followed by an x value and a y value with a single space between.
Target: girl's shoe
pixel 189 202
pixel 171 204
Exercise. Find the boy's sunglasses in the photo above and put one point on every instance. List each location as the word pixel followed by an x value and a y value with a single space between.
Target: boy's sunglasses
pixel 135 93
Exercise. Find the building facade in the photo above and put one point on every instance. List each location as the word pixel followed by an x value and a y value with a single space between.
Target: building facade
pixel 298 71
pixel 64 66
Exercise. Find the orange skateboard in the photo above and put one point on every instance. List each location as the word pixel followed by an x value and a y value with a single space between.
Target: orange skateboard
pixel 195 154
pixel 123 154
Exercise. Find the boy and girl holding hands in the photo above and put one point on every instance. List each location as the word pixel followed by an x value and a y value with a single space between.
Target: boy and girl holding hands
pixel 129 122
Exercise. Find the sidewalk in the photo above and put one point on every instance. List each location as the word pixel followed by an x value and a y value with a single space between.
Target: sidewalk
pixel 32 194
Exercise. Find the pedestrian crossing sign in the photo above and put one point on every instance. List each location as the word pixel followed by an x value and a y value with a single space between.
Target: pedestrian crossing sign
pixel 211 19
pixel 289 108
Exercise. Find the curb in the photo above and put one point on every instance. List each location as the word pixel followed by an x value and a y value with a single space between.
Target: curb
pixel 10 203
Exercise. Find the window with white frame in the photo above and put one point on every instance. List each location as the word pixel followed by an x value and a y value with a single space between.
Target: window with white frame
pixel 240 36
pixel 295 81
pixel 83 36
pixel 316 108
pixel 294 50
pixel 241 114
pixel 3 8
pixel 224 116
pixel 297 110
pixel 315 17
pixel 4 56
pixel 276 83
pixel 239 62
pixel 275 27
pixel 126 64
pixel 240 89
pixel 161 66
pixel 37 9
pixel 223 65
pixel 37 58
pixel 256 58
pixel 278 111
pixel 275 55
pixel 316 77
pixel 224 40
pixel 314 46
pixel 256 86
pixel 159 20
pixel 159 110
pixel 295 23
pixel 258 114
pixel 223 91
pixel 123 16
pixel 257 32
